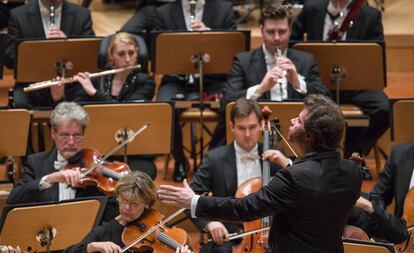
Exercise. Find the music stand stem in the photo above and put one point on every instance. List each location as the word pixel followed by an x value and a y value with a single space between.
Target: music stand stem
pixel 200 64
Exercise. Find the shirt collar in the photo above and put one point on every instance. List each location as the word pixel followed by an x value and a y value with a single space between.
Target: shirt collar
pixel 240 151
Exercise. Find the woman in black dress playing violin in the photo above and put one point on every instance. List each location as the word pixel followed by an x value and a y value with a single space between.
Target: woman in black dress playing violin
pixel 136 194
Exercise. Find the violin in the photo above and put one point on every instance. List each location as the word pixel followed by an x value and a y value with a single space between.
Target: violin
pixel 97 172
pixel 162 240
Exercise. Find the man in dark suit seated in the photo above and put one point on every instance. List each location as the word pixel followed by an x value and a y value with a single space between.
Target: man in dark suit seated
pixel 316 20
pixel 45 177
pixel 224 169
pixel 310 200
pixel 258 74
pixel 33 21
pixel 396 179
pixel 208 15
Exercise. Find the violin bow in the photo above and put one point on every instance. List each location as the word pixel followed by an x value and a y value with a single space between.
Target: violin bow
pixel 110 153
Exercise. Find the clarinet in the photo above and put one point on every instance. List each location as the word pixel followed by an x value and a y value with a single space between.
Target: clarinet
pixel 52 10
pixel 278 55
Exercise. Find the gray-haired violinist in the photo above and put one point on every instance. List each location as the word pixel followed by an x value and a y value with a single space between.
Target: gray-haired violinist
pixel 45 175
pixel 310 200
pixel 317 20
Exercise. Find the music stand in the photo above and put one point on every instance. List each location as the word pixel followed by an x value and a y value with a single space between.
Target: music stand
pixel 14 131
pixel 360 246
pixel 36 59
pixel 69 221
pixel 196 52
pixel 107 120
pixel 3 40
pixel 349 65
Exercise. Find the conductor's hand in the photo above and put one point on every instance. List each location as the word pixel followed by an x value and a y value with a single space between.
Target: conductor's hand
pixel 69 177
pixel 218 232
pixel 290 70
pixel 199 26
pixel 275 156
pixel 177 196
pixel 104 247
pixel 84 79
pixel 9 249
pixel 56 33
pixel 57 91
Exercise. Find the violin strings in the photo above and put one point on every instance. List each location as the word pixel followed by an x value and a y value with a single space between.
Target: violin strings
pixel 168 240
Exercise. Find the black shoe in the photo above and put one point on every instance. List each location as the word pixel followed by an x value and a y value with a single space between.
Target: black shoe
pixel 180 171
pixel 366 174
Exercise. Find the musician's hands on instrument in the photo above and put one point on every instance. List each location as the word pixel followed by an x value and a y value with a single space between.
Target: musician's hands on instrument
pixel 290 71
pixel 103 247
pixel 9 249
pixel 275 156
pixel 57 91
pixel 69 177
pixel 218 232
pixel 199 26
pixel 270 79
pixel 357 157
pixel 84 79
pixel 365 204
pixel 177 196
pixel 56 33
pixel 183 249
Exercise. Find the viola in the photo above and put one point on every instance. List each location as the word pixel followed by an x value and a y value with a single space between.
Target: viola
pixel 162 240
pixel 97 172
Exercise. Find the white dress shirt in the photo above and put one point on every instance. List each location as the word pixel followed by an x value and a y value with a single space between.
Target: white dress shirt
pixel 247 163
pixel 329 23
pixel 44 13
pixel 279 91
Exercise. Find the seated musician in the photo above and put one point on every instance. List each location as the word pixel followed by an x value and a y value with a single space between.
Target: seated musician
pixel 225 168
pixel 176 15
pixel 44 176
pixel 136 194
pixel 33 20
pixel 127 86
pixel 258 74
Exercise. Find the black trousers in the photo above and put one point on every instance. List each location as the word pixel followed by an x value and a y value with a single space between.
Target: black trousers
pixel 376 105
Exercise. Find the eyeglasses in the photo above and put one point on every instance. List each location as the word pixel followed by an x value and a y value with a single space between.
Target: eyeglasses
pixel 66 137
pixel 131 204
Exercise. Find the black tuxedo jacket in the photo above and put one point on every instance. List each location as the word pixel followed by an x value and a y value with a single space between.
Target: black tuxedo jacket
pixel 37 166
pixel 394 180
pixel 217 15
pixel 26 23
pixel 310 202
pixel 367 24
pixel 218 175
pixel 249 68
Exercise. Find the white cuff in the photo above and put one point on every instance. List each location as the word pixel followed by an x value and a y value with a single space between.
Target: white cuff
pixel 251 91
pixel 303 89
pixel 193 207
pixel 43 185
